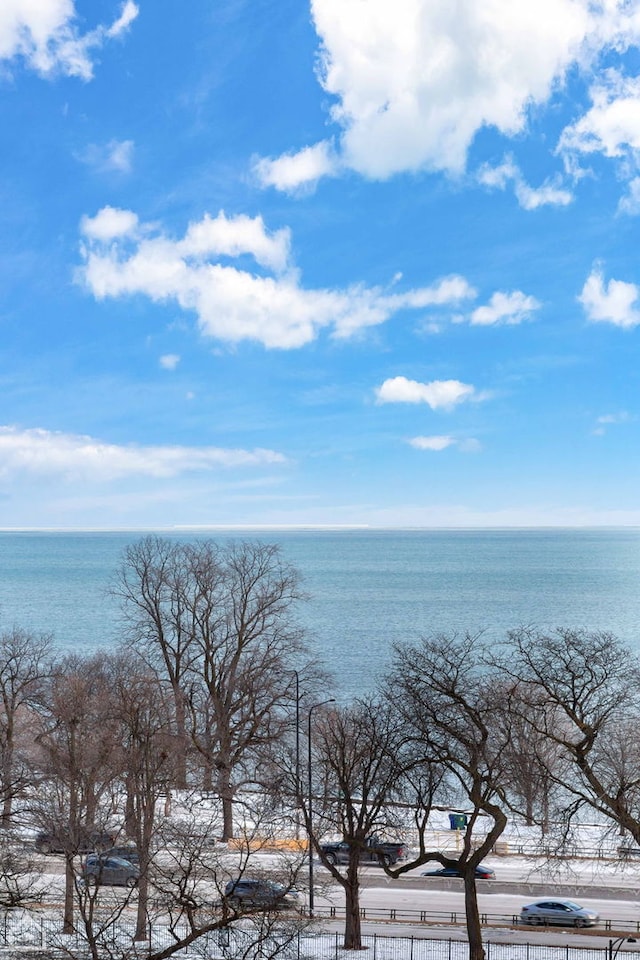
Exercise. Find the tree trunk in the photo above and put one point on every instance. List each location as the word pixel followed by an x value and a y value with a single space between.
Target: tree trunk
pixel 146 806
pixel 7 774
pixel 69 890
pixel 129 810
pixel 181 735
pixel 226 796
pixel 474 930
pixel 353 922
pixel 143 899
pixel 207 776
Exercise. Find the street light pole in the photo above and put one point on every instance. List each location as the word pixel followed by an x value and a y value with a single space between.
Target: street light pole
pixel 298 784
pixel 310 799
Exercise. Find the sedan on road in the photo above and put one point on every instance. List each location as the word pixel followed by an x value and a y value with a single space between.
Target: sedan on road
pixel 481 872
pixel 566 913
pixel 261 894
pixel 111 871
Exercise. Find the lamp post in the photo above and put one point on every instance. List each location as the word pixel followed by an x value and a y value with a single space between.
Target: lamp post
pixel 298 784
pixel 614 946
pixel 313 706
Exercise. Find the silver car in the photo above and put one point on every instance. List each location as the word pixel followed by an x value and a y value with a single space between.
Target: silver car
pixel 563 912
pixel 111 871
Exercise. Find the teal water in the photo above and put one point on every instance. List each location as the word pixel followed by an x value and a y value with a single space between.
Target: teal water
pixel 368 588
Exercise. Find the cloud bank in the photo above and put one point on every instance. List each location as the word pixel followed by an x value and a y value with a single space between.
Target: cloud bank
pixel 415 81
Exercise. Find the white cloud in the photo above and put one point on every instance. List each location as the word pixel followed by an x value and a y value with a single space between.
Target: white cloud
pixel 508 308
pixel 438 394
pixel 630 203
pixel 551 193
pixel 622 417
pixel 169 361
pixel 610 419
pixel 414 81
pixel 115 156
pixel 612 125
pixel 432 443
pixel 235 236
pixel 123 257
pixel 109 224
pixel 45 453
pixel 45 35
pixel 615 302
pixel 127 16
pixel 293 172
pixel 437 443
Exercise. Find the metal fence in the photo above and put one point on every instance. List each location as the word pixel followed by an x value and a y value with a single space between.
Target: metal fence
pixel 40 937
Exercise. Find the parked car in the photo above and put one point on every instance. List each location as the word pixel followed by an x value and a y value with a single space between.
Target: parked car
pixel 264 894
pixel 374 851
pixel 111 871
pixel 49 841
pixel 125 851
pixel 564 912
pixel 481 872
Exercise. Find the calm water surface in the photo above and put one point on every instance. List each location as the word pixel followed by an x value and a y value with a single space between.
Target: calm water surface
pixel 368 588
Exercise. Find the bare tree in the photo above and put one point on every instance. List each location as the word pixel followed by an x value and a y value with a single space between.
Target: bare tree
pixel 248 641
pixel 579 693
pixel 447 698
pixel 25 661
pixel 76 744
pixel 148 762
pixel 360 767
pixel 153 586
pixel 528 760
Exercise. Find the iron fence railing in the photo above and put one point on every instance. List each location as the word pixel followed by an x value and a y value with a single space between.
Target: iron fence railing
pixel 43 940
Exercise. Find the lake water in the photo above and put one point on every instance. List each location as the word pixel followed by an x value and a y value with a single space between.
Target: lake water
pixel 368 588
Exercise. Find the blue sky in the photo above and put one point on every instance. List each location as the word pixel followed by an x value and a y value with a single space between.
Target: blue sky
pixel 266 263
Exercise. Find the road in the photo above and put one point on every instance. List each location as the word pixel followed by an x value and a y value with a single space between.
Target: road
pixel 610 888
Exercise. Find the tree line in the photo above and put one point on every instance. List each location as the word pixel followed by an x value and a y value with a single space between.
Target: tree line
pixel 210 699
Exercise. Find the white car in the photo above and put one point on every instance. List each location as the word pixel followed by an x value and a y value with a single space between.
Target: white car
pixel 566 913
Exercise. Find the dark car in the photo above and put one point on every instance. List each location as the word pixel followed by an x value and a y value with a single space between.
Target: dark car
pixel 111 871
pixel 374 851
pixel 481 872
pixel 50 841
pixel 125 852
pixel 262 894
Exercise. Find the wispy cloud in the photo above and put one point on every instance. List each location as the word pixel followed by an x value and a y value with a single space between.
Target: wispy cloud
pixel 438 443
pixel 610 419
pixel 45 36
pixel 116 156
pixel 46 453
pixel 550 193
pixel 169 361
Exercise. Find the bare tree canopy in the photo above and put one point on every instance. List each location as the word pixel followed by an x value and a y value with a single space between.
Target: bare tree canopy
pixel 218 622
pixel 447 697
pixel 578 694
